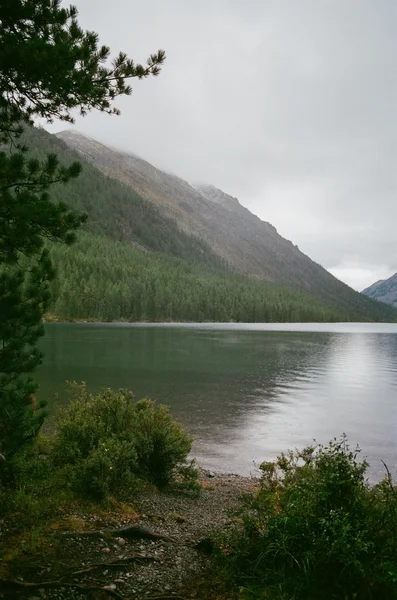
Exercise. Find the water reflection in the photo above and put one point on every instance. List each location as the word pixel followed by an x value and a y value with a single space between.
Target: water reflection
pixel 245 394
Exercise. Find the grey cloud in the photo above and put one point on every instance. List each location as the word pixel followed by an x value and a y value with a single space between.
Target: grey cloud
pixel 290 106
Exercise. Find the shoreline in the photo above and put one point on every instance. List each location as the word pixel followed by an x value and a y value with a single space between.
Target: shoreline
pixel 293 326
pixel 177 564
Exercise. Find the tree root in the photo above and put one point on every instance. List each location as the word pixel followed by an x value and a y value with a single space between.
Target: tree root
pixel 12 585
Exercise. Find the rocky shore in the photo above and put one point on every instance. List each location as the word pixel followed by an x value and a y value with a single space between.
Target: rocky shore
pixel 172 563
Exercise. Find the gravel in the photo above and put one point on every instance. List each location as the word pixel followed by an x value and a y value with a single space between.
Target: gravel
pixel 166 568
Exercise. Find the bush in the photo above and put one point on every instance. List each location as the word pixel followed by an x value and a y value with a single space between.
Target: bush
pixel 316 530
pixel 161 443
pixel 111 440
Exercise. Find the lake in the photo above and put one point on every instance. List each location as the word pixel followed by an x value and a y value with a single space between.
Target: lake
pixel 244 391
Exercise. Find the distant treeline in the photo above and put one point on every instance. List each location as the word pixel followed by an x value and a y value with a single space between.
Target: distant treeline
pixel 106 280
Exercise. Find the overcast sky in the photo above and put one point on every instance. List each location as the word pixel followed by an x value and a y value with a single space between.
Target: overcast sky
pixel 289 105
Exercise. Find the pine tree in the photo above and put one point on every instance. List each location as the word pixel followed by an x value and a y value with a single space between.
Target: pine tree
pixel 49 66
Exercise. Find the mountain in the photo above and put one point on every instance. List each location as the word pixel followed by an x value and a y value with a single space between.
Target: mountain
pixel 384 290
pixel 226 229
pixel 152 250
pixel 253 247
pixel 133 263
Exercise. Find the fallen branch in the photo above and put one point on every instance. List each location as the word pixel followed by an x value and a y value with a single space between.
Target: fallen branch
pixel 116 562
pixel 131 532
pixel 9 585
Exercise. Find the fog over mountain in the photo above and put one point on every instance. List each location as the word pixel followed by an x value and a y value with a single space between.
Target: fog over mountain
pixel 289 106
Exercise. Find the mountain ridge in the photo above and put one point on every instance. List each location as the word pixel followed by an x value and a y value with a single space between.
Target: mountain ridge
pixel 250 246
pixel 134 262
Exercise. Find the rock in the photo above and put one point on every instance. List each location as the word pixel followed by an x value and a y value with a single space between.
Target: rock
pixel 120 541
pixel 111 586
pixel 206 546
pixel 105 549
pixel 210 474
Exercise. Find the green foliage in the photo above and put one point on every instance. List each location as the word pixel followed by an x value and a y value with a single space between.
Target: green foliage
pixel 161 443
pixel 48 67
pixel 103 280
pixel 186 479
pixel 27 218
pixel 102 446
pixel 317 530
pixel 109 439
pixel 27 213
pixel 38 489
pixel 23 298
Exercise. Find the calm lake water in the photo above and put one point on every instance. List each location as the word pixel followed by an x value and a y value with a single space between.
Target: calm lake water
pixel 245 392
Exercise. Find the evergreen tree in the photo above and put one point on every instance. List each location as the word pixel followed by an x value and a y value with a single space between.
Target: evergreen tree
pixel 49 66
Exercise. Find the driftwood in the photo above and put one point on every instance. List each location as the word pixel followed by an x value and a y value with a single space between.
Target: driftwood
pixel 135 532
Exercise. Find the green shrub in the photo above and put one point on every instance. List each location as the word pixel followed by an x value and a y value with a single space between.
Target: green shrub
pixel 109 467
pixel 110 440
pixel 316 530
pixel 161 443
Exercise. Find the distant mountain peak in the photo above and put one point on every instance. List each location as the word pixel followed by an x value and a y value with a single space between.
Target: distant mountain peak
pixel 384 290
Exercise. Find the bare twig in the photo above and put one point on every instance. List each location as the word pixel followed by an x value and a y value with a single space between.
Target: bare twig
pixel 389 476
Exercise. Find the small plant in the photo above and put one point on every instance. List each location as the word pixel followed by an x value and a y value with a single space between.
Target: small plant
pixel 187 479
pixel 316 530
pixel 37 490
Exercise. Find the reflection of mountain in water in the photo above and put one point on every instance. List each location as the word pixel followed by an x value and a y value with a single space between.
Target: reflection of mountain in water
pixel 244 395
pixel 206 377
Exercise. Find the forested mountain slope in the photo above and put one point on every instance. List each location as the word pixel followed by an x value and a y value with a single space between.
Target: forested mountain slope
pixel 104 280
pixel 249 245
pixel 136 261
pixel 384 290
pixel 116 210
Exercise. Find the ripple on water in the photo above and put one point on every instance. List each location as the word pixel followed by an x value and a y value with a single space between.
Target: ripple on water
pixel 245 392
